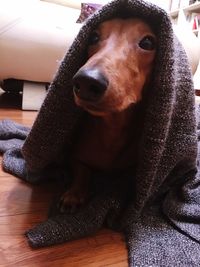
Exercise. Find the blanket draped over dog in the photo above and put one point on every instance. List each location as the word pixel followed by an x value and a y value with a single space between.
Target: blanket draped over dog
pixel 161 219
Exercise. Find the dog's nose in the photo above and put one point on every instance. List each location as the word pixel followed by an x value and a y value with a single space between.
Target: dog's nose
pixel 90 84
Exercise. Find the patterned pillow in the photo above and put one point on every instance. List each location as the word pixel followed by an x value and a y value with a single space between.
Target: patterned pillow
pixel 87 9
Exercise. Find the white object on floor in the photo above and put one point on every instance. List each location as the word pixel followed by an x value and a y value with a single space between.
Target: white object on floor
pixel 33 95
pixel 196 78
pixel 34 37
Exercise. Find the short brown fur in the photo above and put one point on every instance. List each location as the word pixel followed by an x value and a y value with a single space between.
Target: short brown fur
pixel 110 134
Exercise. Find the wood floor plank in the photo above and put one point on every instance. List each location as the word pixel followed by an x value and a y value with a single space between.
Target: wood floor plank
pixel 22 206
pixel 18 116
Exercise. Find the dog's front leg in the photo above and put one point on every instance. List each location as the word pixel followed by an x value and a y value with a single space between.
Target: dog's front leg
pixel 77 194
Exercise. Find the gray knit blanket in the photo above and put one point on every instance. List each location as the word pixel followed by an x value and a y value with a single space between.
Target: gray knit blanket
pixel 160 214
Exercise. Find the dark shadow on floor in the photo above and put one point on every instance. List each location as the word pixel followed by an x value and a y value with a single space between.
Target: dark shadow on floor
pixel 10 100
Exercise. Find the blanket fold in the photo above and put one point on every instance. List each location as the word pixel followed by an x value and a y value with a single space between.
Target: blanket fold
pixel 62 228
pixel 157 209
pixel 158 244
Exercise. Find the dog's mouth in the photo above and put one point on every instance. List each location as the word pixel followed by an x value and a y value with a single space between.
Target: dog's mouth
pixel 100 108
pixel 93 108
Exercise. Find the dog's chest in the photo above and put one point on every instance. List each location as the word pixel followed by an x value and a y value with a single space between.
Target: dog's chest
pixel 99 149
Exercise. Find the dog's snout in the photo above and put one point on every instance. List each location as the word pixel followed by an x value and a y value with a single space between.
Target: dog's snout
pixel 90 84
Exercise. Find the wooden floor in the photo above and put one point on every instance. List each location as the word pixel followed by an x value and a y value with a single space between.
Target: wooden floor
pixel 22 206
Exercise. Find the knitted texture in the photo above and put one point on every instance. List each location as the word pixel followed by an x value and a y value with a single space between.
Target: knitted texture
pixel 161 222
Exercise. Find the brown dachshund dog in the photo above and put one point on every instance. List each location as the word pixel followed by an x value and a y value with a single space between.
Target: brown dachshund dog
pixel 108 86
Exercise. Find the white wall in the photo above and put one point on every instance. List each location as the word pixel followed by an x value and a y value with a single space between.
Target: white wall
pixel 162 3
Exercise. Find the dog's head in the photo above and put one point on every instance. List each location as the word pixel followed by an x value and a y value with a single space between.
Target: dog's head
pixel 120 61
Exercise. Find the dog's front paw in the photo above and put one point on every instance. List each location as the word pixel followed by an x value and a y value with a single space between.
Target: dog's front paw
pixel 71 201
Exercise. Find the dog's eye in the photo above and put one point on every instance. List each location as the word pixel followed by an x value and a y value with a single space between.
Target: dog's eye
pixel 94 38
pixel 148 43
